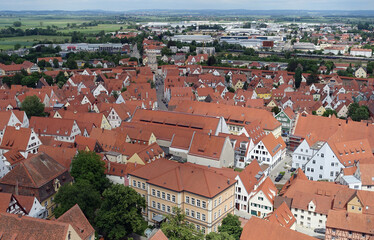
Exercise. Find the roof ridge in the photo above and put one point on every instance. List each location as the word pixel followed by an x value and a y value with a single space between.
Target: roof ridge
pixel 27 171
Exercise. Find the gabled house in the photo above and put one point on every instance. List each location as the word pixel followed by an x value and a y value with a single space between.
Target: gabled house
pixel 282 216
pixel 311 201
pixel 210 150
pixel 23 140
pixel 248 181
pixel 286 117
pixel 261 201
pixel 147 154
pixel 269 150
pixel 63 130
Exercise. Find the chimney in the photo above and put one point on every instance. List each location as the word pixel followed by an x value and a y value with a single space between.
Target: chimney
pixel 228 181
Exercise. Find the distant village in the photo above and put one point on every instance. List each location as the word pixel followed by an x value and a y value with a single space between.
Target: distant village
pixel 290 151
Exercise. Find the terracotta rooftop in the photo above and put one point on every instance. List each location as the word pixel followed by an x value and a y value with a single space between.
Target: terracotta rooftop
pixel 355 222
pixel 76 218
pixel 176 119
pixel 232 114
pixel 282 216
pixel 204 181
pixel 18 227
pixel 257 228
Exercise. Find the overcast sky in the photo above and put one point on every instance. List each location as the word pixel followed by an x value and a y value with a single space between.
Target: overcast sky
pixel 123 5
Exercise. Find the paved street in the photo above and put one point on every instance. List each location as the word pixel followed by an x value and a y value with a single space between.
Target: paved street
pixel 283 166
pixel 309 232
pixel 160 92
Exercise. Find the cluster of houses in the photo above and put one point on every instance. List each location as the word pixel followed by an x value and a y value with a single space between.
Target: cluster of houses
pixel 212 153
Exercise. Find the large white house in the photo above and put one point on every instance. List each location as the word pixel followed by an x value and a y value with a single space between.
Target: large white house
pixel 269 150
pixel 323 160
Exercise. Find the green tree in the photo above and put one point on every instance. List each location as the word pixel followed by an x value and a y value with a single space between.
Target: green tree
pixel 166 51
pixel 120 213
pixel 55 63
pixel 312 78
pixel 298 77
pixel 358 113
pixel 231 225
pixel 176 227
pixel 329 112
pixel 250 52
pixel 17 24
pixel 275 110
pixel 219 236
pixel 81 193
pixel 71 63
pixel 232 90
pixel 211 61
pixel 88 166
pixel 61 79
pixel 29 81
pixel 32 106
pixel 48 79
pixel 17 46
pixel 41 64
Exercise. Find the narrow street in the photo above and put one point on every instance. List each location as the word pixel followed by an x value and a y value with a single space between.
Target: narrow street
pixel 160 93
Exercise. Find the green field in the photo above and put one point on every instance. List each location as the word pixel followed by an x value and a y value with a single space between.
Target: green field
pixel 41 21
pixel 8 43
pixel 95 29
pixel 59 23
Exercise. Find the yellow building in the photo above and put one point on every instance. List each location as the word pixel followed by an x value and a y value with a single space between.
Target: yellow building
pixel 320 111
pixel 206 195
pixel 263 93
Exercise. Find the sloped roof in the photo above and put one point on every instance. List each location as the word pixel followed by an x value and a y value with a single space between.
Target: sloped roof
pixel 19 227
pixel 268 188
pixel 257 228
pixel 34 172
pixel 188 177
pixel 16 138
pixel 62 155
pixel 78 221
pixel 322 193
pixel 4 201
pixel 209 146
pixel 355 222
pixel 282 216
pixel 272 144
pixel 249 174
pixel 177 119
pixel 52 126
pixel 159 235
pixel 234 113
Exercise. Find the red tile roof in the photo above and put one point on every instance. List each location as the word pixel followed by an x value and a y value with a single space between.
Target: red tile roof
pixel 25 228
pixel 189 177
pixel 76 218
pixel 257 228
pixel 282 216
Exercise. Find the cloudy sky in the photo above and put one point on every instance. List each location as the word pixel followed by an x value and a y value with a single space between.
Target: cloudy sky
pixel 123 5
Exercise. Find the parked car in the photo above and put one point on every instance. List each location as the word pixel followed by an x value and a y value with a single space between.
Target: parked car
pixel 279 177
pixel 292 169
pixel 320 230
